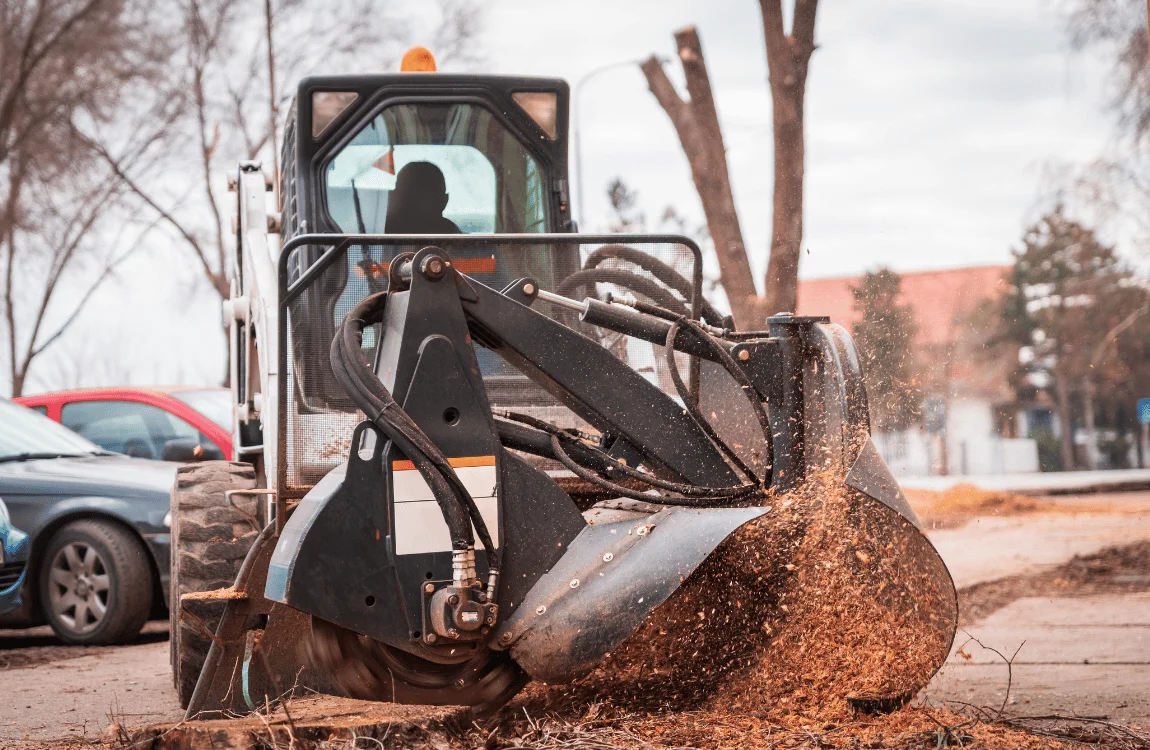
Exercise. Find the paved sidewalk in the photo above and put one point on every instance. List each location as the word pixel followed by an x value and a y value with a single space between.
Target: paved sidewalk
pixel 1039 483
pixel 1083 655
pixel 1086 656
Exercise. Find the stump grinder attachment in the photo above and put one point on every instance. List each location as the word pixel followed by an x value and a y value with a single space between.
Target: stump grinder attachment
pixel 509 455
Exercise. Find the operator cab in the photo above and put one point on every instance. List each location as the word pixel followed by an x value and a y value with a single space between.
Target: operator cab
pixel 417 154
pixel 427 153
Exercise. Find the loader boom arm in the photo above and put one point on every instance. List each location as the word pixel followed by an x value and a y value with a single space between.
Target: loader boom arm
pixel 252 317
pixel 593 383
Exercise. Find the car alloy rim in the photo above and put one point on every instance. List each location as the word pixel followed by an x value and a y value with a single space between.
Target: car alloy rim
pixel 79 586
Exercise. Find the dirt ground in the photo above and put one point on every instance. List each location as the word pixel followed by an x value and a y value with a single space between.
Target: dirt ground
pixel 1029 571
pixel 55 692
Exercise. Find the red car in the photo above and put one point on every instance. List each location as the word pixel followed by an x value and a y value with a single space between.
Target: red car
pixel 169 423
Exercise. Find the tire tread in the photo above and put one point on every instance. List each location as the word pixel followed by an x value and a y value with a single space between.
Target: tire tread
pixel 210 539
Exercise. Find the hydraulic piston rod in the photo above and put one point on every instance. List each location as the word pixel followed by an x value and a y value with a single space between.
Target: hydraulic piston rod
pixel 620 318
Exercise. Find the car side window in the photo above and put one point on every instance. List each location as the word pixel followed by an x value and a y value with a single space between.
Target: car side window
pixel 131 428
pixel 41 409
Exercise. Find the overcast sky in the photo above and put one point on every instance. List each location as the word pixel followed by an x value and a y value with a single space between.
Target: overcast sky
pixel 928 123
pixel 929 126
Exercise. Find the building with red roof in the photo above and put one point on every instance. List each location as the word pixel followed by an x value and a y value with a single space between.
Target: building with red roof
pixel 965 386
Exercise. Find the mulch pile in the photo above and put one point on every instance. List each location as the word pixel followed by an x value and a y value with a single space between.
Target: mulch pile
pixel 1116 570
pixel 829 600
pixel 962 502
pixel 828 608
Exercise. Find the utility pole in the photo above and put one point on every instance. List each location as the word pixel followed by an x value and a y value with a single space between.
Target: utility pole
pixel 577 131
pixel 273 107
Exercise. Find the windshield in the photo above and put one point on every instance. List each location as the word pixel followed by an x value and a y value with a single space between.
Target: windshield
pixel 213 403
pixel 25 431
pixel 435 169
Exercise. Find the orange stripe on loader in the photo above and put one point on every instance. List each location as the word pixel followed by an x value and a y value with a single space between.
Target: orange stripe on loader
pixel 456 463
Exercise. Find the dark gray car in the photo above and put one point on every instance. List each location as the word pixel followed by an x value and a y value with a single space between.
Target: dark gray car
pixel 98 525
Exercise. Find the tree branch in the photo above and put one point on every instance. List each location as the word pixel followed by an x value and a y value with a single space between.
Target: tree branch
pixel 63 256
pixel 206 149
pixel 107 272
pixel 695 70
pixel 774 34
pixel 664 91
pixel 164 213
pixel 803 27
pixel 31 59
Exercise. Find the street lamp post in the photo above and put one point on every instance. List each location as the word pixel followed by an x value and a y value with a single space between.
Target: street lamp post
pixel 578 130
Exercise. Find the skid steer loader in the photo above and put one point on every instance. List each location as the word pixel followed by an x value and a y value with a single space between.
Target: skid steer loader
pixel 483 448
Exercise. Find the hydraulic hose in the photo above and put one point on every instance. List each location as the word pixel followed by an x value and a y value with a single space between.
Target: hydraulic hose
pixel 355 375
pixel 685 494
pixel 656 268
pixel 627 279
pixel 665 305
pixel 745 385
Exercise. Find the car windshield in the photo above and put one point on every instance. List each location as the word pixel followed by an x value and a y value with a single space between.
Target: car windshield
pixel 25 431
pixel 213 403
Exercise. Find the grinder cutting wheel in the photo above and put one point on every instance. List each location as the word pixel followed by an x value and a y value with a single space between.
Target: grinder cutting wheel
pixel 475 481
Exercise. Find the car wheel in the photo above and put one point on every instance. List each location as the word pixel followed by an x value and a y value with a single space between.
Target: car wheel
pixel 210 539
pixel 95 583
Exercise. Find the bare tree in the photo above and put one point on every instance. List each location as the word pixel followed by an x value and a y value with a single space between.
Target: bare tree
pixel 696 122
pixel 65 66
pixel 1116 187
pixel 788 57
pixel 238 86
pixel 1119 29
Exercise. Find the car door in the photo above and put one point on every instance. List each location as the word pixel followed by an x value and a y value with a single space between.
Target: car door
pixel 133 428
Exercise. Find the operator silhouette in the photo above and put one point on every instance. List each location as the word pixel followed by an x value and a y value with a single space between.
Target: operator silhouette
pixel 416 204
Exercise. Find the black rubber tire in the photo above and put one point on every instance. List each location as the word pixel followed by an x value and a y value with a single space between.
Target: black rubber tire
pixel 124 561
pixel 210 539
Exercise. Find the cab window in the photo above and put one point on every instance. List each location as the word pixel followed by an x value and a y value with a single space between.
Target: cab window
pixel 435 169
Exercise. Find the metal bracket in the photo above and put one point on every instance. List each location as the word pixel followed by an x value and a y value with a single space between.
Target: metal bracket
pixel 274 511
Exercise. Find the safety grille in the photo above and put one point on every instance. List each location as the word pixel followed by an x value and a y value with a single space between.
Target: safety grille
pixel 289 196
pixel 320 417
pixel 10 573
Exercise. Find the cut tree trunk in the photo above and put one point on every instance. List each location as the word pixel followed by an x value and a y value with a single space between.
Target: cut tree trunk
pixel 697 124
pixel 788 57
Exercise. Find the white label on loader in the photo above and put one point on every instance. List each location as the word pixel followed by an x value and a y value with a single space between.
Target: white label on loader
pixel 419 524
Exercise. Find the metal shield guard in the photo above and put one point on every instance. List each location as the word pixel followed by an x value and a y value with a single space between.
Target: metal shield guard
pixel 624 564
pixel 830 590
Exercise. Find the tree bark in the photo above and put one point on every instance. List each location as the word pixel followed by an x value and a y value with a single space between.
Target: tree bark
pixel 787 60
pixel 697 124
pixel 1065 429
